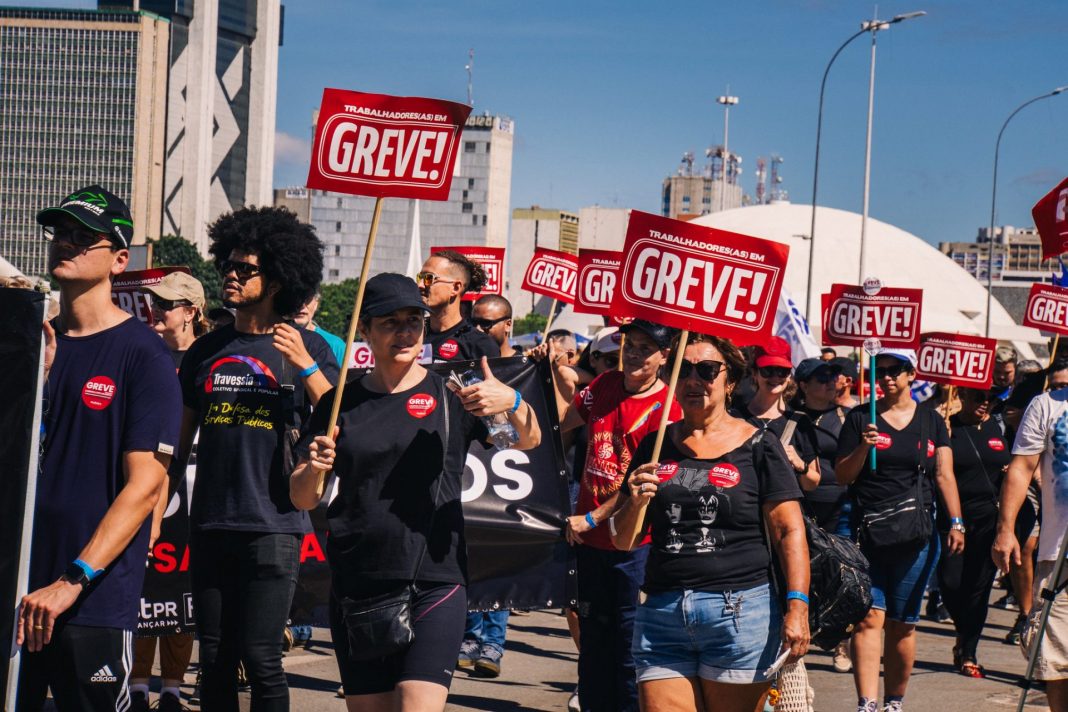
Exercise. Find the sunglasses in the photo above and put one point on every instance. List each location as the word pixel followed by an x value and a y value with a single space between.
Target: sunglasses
pixel 1057 386
pixel 487 324
pixel 891 371
pixel 74 235
pixel 774 372
pixel 706 370
pixel 824 375
pixel 243 270
pixel 163 305
pixel 611 360
pixel 427 279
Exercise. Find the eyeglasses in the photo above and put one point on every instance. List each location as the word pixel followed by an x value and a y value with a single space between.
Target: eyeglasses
pixel 428 279
pixel 891 371
pixel 706 370
pixel 243 270
pixel 164 305
pixel 611 359
pixel 74 235
pixel 774 372
pixel 487 324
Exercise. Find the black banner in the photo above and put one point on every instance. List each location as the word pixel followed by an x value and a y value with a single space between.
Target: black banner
pixel 166 600
pixel 514 506
pixel 21 314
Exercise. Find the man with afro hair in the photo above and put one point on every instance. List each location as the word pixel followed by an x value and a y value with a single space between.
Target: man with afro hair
pixel 246 387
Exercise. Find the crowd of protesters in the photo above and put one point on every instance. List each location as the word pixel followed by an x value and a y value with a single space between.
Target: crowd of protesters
pixel 674 537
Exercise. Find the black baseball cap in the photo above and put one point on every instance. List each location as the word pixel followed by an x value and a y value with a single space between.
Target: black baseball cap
pixel 660 334
pixel 97 209
pixel 808 368
pixel 846 365
pixel 387 292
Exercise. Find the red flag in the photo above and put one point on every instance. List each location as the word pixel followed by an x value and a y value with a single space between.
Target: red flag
pixel 956 359
pixel 492 261
pixel 553 274
pixel 1047 308
pixel 598 274
pixel 698 278
pixel 386 146
pixel 852 314
pixel 126 290
pixel 1051 218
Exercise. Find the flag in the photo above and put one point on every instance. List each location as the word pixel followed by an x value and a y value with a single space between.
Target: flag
pixel 790 324
pixel 1060 280
pixel 1051 219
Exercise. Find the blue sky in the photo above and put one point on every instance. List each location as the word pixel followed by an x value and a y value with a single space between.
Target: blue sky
pixel 607 95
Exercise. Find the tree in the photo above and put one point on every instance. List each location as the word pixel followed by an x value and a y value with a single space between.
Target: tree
pixel 175 251
pixel 531 323
pixel 335 306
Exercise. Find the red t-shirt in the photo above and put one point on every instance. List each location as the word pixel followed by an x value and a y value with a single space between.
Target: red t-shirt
pixel 616 421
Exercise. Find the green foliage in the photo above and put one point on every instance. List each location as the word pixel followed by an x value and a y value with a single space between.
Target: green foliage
pixel 335 306
pixel 531 323
pixel 175 251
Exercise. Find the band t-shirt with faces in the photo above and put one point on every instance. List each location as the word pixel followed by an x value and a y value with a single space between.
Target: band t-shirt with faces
pixel 706 515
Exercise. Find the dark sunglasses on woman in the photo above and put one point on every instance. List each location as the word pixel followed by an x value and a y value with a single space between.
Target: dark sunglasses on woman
pixel 824 375
pixel 243 270
pixel 706 370
pixel 611 360
pixel 891 371
pixel 774 372
pixel 164 305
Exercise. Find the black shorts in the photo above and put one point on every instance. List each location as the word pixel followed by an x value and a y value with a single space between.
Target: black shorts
pixel 439 613
pixel 87 668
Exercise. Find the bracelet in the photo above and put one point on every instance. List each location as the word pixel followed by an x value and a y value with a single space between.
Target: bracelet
pixel 309 370
pixel 591 521
pixel 90 572
pixel 518 400
pixel 796 596
pixel 956 520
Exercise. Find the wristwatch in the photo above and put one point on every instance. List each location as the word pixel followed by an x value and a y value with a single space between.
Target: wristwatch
pixel 75 574
pixel 957 524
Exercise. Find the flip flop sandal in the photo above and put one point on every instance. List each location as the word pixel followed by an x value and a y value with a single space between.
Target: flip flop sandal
pixel 972 669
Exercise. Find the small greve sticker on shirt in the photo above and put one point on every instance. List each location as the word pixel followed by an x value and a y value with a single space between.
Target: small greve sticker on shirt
pixel 448 349
pixel 996 444
pixel 930 448
pixel 883 441
pixel 421 405
pixel 724 475
pixel 667 470
pixel 98 392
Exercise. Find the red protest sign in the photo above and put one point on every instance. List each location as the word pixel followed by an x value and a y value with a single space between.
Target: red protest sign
pixel 1051 219
pixel 598 274
pixel 956 359
pixel 126 290
pixel 1047 308
pixel 492 261
pixel 699 278
pixel 852 314
pixel 553 274
pixel 386 146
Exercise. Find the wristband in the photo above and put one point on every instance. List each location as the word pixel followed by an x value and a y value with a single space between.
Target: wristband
pixel 956 520
pixel 309 370
pixel 90 572
pixel 796 596
pixel 590 520
pixel 518 400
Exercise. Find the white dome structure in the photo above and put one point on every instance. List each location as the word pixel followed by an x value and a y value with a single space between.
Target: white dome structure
pixel 953 300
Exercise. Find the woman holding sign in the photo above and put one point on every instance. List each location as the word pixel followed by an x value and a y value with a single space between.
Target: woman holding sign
pixel 897 536
pixel 396 526
pixel 711 632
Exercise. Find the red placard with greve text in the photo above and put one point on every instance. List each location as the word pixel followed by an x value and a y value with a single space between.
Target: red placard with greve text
pixel 492 261
pixel 126 290
pixel 598 275
pixel 956 359
pixel 552 273
pixel 386 146
pixel 1047 308
pixel 1051 220
pixel 692 277
pixel 852 314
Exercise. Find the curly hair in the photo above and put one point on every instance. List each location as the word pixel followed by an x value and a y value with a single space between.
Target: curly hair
pixel 732 355
pixel 290 253
pixel 474 274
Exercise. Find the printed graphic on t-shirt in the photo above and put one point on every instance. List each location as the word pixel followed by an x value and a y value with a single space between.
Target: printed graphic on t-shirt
pixel 724 475
pixel 448 349
pixel 98 392
pixel 240 375
pixel 930 448
pixel 1059 441
pixel 608 456
pixel 996 444
pixel 697 512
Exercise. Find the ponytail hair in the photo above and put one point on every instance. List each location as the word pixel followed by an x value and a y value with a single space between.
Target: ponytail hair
pixel 474 274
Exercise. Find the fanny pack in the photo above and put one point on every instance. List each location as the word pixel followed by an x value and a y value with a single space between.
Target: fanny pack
pixel 901 521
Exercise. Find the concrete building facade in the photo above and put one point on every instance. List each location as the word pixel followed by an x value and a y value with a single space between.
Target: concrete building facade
pixel 82 101
pixel 532 228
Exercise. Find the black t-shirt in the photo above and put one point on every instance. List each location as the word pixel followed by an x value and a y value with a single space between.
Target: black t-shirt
pixel 980 453
pixel 826 425
pixel 803 438
pixel 898 455
pixel 389 467
pixel 462 342
pixel 706 515
pixel 234 383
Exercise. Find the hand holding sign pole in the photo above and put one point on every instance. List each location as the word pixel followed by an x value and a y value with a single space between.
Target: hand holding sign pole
pixel 386 147
pixel 872 347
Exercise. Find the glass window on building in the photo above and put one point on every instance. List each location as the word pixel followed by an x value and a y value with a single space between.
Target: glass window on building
pixel 339 202
pixel 469 146
pixel 466 207
pixel 337 226
pixel 474 220
pixel 470 182
pixel 337 249
pixel 483 220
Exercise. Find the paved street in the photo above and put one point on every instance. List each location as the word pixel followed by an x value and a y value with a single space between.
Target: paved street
pixel 539 673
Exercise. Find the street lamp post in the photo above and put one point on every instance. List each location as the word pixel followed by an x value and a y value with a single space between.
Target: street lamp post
pixel 727 101
pixel 993 204
pixel 819 133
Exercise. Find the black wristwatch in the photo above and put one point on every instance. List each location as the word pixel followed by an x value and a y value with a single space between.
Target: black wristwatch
pixel 76 574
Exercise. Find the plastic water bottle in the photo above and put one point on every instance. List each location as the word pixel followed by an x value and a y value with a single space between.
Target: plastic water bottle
pixel 501 431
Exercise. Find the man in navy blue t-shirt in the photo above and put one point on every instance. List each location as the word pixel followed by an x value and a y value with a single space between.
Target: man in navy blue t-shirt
pixel 110 427
pixel 243 387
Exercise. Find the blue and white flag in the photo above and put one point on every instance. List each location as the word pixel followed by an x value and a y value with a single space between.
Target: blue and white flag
pixel 790 324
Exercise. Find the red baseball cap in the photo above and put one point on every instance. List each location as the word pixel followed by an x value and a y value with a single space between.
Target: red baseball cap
pixel 775 353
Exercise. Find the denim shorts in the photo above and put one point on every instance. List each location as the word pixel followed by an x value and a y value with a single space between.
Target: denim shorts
pixel 899 578
pixel 722 636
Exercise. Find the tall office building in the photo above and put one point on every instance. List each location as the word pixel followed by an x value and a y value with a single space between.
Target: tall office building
pixel 82 101
pixel 476 212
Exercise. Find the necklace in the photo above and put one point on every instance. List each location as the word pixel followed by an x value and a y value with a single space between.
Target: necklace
pixel 643 390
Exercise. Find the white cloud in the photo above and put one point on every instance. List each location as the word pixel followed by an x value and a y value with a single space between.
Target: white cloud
pixel 289 149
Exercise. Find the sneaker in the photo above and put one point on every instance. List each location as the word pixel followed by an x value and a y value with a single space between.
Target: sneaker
pixel 489 662
pixel 841 661
pixel 1013 637
pixel 169 703
pixel 138 702
pixel 469 653
pixel 868 706
pixel 936 610
pixel 1008 602
pixel 194 698
pixel 287 639
pixel 573 703
pixel 895 706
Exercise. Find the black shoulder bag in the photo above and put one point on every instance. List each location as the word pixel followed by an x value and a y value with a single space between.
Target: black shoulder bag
pixel 290 428
pixel 382 625
pixel 902 521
